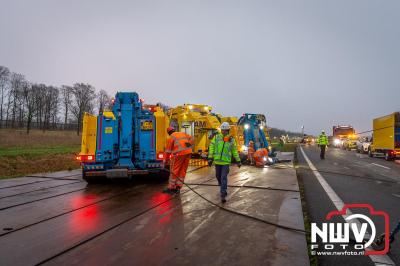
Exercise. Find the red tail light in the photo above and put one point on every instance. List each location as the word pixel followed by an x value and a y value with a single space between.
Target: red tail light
pixel 160 156
pixel 85 158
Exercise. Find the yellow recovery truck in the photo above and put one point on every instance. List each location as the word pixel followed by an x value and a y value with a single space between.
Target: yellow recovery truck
pixel 198 121
pixel 89 132
pixel 386 137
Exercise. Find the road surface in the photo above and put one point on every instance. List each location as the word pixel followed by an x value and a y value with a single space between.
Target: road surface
pixel 355 178
pixel 59 219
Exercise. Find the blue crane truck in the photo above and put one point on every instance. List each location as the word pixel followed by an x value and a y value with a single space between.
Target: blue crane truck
pixel 252 127
pixel 122 143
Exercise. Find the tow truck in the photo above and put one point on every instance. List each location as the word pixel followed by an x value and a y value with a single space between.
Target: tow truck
pixel 124 142
pixel 340 134
pixel 198 121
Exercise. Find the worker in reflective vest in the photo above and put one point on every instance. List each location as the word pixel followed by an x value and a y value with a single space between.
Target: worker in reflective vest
pixel 250 152
pixel 322 142
pixel 261 157
pixel 222 148
pixel 177 154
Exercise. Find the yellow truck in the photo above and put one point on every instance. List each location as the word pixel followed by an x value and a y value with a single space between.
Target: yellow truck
pixel 198 121
pixel 386 137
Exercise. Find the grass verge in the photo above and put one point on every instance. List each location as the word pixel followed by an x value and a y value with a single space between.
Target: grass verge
pixel 37 152
pixel 14 166
pixel 306 216
pixel 288 147
pixel 34 152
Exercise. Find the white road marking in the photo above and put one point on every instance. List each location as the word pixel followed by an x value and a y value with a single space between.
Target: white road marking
pixel 396 195
pixel 381 166
pixel 377 260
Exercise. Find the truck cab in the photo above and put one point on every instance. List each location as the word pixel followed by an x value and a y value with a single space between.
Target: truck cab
pixel 342 135
pixel 198 121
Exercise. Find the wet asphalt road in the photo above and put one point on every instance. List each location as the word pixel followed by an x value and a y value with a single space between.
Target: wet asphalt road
pixel 61 220
pixel 355 178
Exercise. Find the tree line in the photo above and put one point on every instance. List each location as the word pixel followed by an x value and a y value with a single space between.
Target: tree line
pixel 276 132
pixel 23 102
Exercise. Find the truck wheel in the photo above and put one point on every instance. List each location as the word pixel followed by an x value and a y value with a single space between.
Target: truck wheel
pixel 370 154
pixel 388 157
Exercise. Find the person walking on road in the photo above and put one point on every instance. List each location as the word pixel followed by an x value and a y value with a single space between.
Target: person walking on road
pixel 322 142
pixel 250 152
pixel 222 148
pixel 177 153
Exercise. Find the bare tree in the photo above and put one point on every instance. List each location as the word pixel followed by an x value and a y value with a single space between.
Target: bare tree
pixel 103 101
pixel 66 94
pixel 4 82
pixel 29 93
pixel 40 93
pixel 14 99
pixel 51 100
pixel 84 95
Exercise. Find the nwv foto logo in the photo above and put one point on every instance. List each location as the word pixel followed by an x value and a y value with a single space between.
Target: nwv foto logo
pixel 337 235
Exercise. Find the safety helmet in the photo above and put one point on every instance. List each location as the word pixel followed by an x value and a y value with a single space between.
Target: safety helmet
pixel 170 130
pixel 322 131
pixel 225 126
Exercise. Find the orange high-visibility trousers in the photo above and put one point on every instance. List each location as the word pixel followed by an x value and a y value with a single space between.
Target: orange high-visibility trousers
pixel 178 168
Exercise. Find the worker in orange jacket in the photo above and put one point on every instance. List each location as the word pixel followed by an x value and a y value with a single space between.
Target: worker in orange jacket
pixel 250 152
pixel 177 153
pixel 260 157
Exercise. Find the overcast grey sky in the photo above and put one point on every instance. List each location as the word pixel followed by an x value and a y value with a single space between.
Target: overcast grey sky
pixel 316 63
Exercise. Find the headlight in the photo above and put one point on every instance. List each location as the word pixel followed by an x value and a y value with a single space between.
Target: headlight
pixel 265 159
pixel 244 148
pixel 261 127
pixel 270 160
pixel 337 141
pixel 246 126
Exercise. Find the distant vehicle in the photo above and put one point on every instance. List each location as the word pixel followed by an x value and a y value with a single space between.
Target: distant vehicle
pixel 386 137
pixel 308 140
pixel 341 133
pixel 349 143
pixel 363 144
